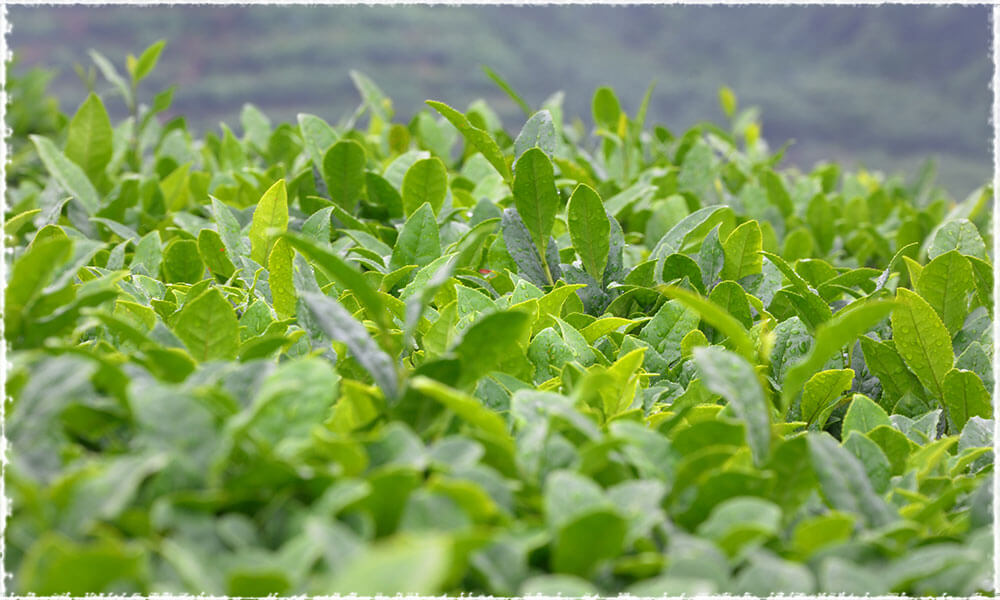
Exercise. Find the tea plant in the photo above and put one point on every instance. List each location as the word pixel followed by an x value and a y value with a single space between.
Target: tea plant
pixel 429 357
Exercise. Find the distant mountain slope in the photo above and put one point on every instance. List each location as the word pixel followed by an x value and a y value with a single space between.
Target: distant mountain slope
pixel 883 85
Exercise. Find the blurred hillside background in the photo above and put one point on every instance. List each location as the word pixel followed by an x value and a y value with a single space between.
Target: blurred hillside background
pixel 881 86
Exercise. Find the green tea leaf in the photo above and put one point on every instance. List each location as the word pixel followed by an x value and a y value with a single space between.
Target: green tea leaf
pixel 535 195
pixel 863 415
pixel 589 229
pixel 318 137
pixel 717 318
pixel 742 249
pixel 88 140
pixel 845 327
pixel 733 378
pixel 334 267
pixel 475 137
pixel 344 173
pixel 821 394
pixel 490 342
pixel 844 483
pixel 945 284
pixel 960 235
pixel 606 108
pixel 425 182
pixel 279 268
pixel 270 220
pixel 71 177
pixel 922 340
pixel 419 242
pixel 965 397
pixel 147 61
pixel 182 262
pixel 337 323
pixel 208 327
pixel 538 132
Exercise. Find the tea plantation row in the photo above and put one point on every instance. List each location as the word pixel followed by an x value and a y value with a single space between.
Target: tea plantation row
pixel 428 357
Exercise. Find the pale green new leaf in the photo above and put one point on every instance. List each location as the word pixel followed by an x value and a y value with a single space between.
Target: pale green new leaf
pixel 88 139
pixel 270 220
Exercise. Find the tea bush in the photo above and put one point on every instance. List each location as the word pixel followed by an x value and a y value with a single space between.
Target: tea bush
pixel 428 357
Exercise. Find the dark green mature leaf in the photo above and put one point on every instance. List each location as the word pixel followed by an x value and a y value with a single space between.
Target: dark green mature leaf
pixel 733 378
pixel 922 340
pixel 883 360
pixel 522 250
pixel 590 230
pixel 945 283
pixel 965 397
pixel 694 226
pixel 344 173
pixel 535 195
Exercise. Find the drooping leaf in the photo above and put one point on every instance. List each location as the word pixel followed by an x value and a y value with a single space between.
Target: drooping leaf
pixel 846 326
pixel 477 138
pixel 733 378
pixel 844 483
pixel 70 176
pixel 337 323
